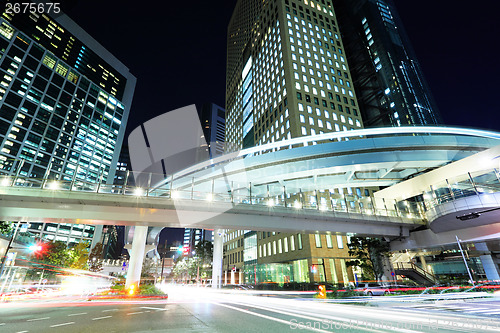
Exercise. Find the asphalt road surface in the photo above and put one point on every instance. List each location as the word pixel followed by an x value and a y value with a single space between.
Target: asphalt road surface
pixel 207 311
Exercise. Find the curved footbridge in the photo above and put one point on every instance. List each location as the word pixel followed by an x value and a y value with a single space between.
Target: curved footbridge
pixel 270 187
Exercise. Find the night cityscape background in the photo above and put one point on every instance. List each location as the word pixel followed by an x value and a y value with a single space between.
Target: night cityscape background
pixel 178 53
pixel 336 195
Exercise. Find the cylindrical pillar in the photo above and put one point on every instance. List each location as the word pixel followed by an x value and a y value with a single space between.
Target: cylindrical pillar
pixel 136 256
pixel 217 258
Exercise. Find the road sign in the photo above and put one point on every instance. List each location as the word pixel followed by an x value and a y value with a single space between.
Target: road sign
pixel 392 273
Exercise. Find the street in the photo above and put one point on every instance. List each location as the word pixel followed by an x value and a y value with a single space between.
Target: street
pixel 201 310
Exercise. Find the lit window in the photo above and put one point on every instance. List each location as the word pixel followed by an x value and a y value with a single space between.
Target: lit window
pixel 340 242
pixel 329 243
pixel 317 239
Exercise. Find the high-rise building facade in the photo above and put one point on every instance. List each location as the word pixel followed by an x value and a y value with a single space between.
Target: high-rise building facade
pixel 387 77
pixel 213 123
pixel 291 78
pixel 64 104
pixel 288 75
pixel 192 236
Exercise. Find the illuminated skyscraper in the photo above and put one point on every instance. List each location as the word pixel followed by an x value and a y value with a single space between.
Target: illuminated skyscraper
pixel 287 76
pixel 287 73
pixel 387 77
pixel 213 122
pixel 64 104
pixel 303 67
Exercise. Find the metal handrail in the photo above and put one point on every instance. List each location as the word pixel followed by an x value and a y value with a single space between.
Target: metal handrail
pixel 289 199
pixel 410 265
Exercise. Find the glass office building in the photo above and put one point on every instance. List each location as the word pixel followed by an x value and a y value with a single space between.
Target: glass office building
pixel 304 67
pixel 387 77
pixel 64 104
pixel 292 78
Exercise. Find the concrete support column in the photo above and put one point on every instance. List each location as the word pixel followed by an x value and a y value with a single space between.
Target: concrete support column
pixel 424 263
pixel 217 258
pixel 136 256
pixel 97 235
pixel 490 266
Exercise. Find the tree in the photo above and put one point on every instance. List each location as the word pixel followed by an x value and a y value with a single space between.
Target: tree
pixel 186 268
pixel 149 267
pixel 204 250
pixel 57 254
pixel 79 255
pixel 5 227
pixel 369 253
pixel 95 264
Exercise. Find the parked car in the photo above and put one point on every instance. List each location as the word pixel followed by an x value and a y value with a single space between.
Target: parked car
pixel 372 289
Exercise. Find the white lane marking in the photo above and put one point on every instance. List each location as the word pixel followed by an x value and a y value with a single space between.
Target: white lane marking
pixel 22 332
pixel 320 317
pixel 480 310
pixel 38 319
pixel 286 322
pixel 63 324
pixel 77 314
pixel 489 311
pixel 159 309
pixel 109 310
pixel 133 313
pixel 1 324
pixel 99 318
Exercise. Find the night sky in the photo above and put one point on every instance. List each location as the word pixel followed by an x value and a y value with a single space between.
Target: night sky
pixel 177 51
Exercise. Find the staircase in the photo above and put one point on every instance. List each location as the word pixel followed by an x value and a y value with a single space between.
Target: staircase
pixel 415 273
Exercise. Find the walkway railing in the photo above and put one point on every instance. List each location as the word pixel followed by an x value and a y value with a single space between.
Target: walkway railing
pixel 249 194
pixel 466 185
pixel 275 195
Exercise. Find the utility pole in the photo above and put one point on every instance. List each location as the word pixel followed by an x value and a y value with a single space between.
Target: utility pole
pixel 465 261
pixel 162 257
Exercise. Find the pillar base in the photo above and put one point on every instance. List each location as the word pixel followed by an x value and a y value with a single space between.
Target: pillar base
pixel 136 257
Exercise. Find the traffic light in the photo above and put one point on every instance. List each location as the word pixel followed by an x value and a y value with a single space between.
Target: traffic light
pixel 322 291
pixel 185 250
pixel 36 249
